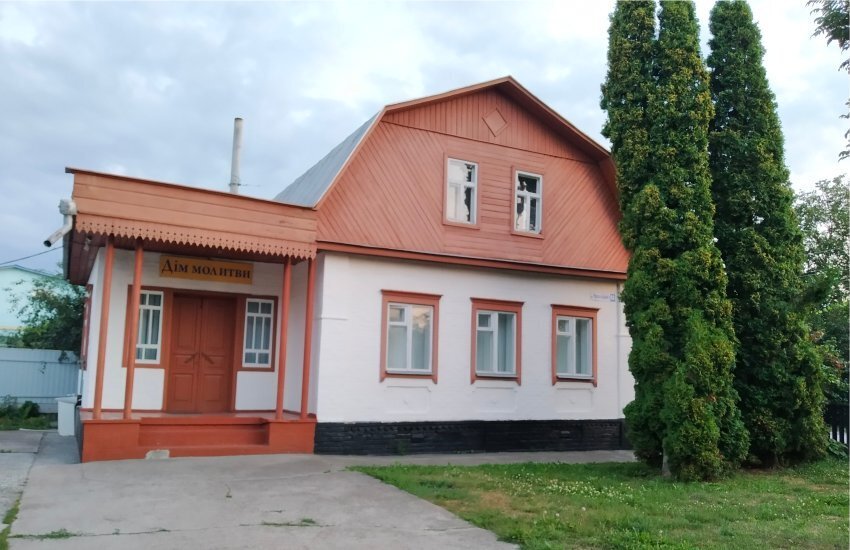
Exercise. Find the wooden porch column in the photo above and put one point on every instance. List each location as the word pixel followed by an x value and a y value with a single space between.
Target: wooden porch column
pixel 308 337
pixel 132 331
pixel 284 324
pixel 104 323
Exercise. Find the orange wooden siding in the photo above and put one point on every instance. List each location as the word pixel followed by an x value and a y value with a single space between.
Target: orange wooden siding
pixel 128 207
pixel 391 194
pixel 463 116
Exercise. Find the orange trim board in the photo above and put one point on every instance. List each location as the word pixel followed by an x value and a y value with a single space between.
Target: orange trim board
pixel 328 246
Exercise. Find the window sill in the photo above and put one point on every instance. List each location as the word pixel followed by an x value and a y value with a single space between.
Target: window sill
pixel 408 374
pixel 258 368
pixel 568 378
pixel 464 225
pixel 527 234
pixel 492 376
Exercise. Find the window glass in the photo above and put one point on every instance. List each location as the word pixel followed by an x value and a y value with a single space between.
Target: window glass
pixel 563 352
pixel 506 343
pixel 396 314
pixel 495 343
pixel 144 326
pixel 397 348
pixel 150 330
pixel 573 346
pixel 583 343
pixel 257 345
pixel 528 201
pixel 409 337
pixel 484 351
pixel 421 343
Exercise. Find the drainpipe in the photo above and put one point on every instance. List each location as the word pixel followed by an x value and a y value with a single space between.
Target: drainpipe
pixel 68 208
pixel 237 153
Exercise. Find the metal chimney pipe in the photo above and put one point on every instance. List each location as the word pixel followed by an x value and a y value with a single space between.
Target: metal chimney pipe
pixel 237 154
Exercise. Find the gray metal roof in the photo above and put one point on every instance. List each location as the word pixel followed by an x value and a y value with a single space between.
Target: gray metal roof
pixel 312 185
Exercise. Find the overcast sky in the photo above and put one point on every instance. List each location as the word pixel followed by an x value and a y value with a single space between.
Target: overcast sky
pixel 150 90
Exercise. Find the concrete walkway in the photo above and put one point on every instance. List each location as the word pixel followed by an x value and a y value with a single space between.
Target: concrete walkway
pixel 272 501
pixel 17 454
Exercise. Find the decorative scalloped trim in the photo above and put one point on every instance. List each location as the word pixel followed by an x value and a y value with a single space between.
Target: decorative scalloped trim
pixel 177 236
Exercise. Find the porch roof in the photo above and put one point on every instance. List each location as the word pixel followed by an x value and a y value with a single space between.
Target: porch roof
pixel 177 218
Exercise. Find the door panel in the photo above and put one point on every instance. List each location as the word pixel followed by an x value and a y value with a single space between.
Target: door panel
pixel 182 361
pixel 201 358
pixel 216 355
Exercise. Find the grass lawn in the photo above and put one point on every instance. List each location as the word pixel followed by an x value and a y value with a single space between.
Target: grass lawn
pixel 628 506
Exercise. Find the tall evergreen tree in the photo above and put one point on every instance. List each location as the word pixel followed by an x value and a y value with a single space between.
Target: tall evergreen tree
pixel 777 373
pixel 679 318
pixel 625 97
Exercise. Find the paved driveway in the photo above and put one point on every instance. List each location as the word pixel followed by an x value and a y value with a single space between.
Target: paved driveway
pixel 17 453
pixel 275 501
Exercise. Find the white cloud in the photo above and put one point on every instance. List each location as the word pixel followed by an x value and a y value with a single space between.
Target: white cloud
pixel 150 89
pixel 15 26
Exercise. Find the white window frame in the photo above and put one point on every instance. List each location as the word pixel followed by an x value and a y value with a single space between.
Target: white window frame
pixel 153 310
pixel 571 333
pixel 528 196
pixel 497 338
pixel 458 188
pixel 258 315
pixel 408 325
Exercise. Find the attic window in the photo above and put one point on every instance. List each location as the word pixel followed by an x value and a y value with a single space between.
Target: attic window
pixel 528 202
pixel 461 185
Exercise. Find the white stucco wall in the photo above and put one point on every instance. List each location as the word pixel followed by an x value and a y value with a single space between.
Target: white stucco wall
pixel 254 390
pixel 348 358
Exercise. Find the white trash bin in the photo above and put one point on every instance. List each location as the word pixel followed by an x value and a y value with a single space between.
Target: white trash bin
pixel 66 407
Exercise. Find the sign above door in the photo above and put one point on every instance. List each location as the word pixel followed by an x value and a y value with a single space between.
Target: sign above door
pixel 206 270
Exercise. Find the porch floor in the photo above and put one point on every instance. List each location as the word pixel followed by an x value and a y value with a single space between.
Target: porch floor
pixel 155 433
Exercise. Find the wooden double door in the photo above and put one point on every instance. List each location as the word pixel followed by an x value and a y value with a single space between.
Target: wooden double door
pixel 200 367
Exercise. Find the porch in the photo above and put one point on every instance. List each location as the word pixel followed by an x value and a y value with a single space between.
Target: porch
pixel 114 437
pixel 191 344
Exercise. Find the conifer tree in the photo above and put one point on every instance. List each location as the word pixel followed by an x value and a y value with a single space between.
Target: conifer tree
pixel 685 408
pixel 625 97
pixel 777 374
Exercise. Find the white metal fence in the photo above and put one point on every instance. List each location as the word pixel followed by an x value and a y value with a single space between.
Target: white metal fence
pixel 38 375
